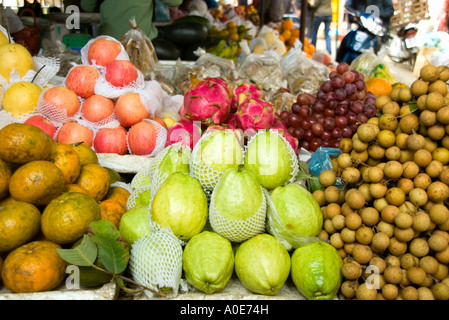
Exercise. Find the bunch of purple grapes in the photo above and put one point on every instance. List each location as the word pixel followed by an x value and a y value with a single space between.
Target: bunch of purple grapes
pixel 340 105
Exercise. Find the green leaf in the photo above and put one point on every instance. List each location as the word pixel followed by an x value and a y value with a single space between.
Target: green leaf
pixel 83 255
pixel 112 247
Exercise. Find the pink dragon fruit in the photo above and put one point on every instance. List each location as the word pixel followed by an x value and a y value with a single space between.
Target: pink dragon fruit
pixel 280 127
pixel 255 114
pixel 244 91
pixel 208 101
pixel 231 121
pixel 186 132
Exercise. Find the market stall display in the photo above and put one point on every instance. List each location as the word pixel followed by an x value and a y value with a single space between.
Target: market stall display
pixel 250 173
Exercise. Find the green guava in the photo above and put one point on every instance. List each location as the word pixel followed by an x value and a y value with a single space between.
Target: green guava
pixel 298 216
pixel 316 270
pixel 220 150
pixel 208 261
pixel 181 205
pixel 139 196
pixel 262 264
pixel 175 160
pixel 269 159
pixel 135 224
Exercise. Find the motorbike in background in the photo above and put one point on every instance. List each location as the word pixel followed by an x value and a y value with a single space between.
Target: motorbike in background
pixel 368 34
pixel 403 45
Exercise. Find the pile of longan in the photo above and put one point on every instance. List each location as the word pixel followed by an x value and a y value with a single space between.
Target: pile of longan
pixel 390 220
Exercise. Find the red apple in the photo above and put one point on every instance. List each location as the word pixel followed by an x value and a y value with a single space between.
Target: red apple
pixel 82 80
pixel 121 73
pixel 142 138
pixel 41 122
pixel 111 140
pixel 103 51
pixel 160 121
pixel 63 100
pixel 97 108
pixel 130 110
pixel 73 132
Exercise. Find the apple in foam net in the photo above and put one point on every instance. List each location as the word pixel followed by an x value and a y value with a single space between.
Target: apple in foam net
pixel 82 80
pixel 142 138
pixel 111 140
pixel 97 108
pixel 103 51
pixel 62 98
pixel 130 110
pixel 121 73
pixel 74 132
pixel 41 122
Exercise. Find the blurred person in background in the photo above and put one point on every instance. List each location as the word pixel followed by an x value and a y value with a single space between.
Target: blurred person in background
pixel 115 15
pixel 386 9
pixel 270 11
pixel 322 14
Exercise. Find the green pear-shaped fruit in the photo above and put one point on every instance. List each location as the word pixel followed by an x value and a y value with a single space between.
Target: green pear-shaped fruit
pixel 213 154
pixel 135 224
pixel 262 264
pixel 316 270
pixel 181 205
pixel 294 216
pixel 208 261
pixel 175 159
pixel 270 159
pixel 238 210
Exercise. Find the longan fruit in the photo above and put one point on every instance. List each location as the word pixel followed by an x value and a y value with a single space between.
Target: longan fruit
pixel 375 174
pixel 393 169
pixel 409 260
pixel 444 73
pixel 405 185
pixel 378 262
pixel 380 242
pixel 421 221
pixel 428 281
pixel 350 175
pixel 364 235
pixel 358 145
pixel 385 227
pixel 441 154
pixel 346 209
pixel 416 275
pixel 338 222
pixel 436 132
pixel 437 191
pixel 419 247
pixel 403 220
pixel 419 87
pixel 347 235
pixel 362 253
pixel 397 247
pixel 370 216
pixel 425 294
pixel 332 210
pixel 376 152
pixel 393 274
pixel 406 155
pixel 328 226
pixel 422 180
pixel 404 235
pixel 349 247
pixel 319 197
pixel 429 264
pixel 386 138
pixel 336 241
pixel 390 291
pixel 422 157
pixel 409 169
pixel 418 197
pixel 366 292
pixel 348 288
pixel 405 94
pixel 356 200
pixel 415 141
pixel 389 213
pixel 367 132
pixel 443 255
pixel 332 194
pixel 442 115
pixel 344 160
pixel 439 213
pixel 409 123
pixel 437 242
pixel 409 293
pixel 378 190
pixel 440 291
pixel 353 221
pixel 429 73
pixel 408 207
pixel 392 260
pixel 443 271
pixel 382 100
pixel 327 178
pixel 345 145
pixel 434 168
pixel 434 101
pixel 430 145
pixel 323 235
pixel 428 118
pixel 364 189
pixel 395 196
pixel 362 156
pixel 351 270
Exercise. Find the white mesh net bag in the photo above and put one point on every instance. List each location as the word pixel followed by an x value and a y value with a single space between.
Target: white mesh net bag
pixel 85 51
pixel 238 230
pixel 104 88
pixel 156 262
pixel 161 138
pixel 141 178
pixel 225 152
pixel 275 226
pixel 138 196
pixel 294 167
pixel 54 113
pixel 179 157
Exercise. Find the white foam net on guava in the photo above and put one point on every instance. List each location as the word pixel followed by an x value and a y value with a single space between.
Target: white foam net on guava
pixel 123 185
pixel 141 178
pixel 161 138
pixel 158 177
pixel 138 195
pixel 237 230
pixel 156 262
pixel 276 227
pixel 207 176
pixel 293 156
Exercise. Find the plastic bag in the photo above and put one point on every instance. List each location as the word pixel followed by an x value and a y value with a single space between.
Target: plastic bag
pixel 140 49
pixel 303 75
pixel 373 65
